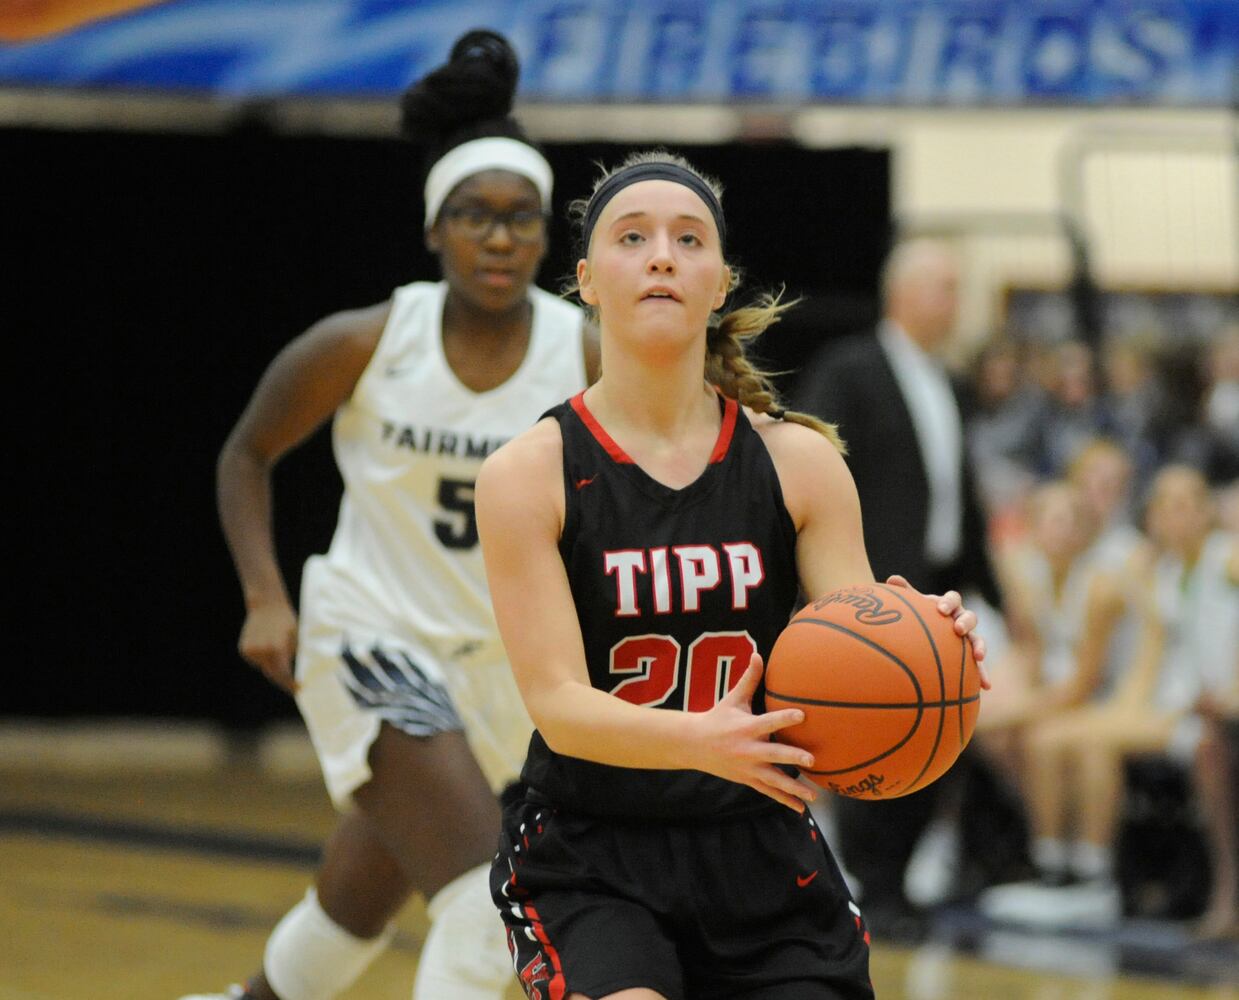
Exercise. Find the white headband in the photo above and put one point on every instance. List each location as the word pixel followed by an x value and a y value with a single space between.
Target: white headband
pixel 492 153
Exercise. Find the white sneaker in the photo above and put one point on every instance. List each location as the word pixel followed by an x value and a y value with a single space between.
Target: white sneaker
pixel 234 992
pixel 1095 904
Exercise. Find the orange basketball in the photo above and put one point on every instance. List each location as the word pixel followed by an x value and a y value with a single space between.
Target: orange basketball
pixel 889 691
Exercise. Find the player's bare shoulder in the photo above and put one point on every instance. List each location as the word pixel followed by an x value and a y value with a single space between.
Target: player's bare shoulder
pixel 533 452
pixel 789 442
pixel 355 330
pixel 524 478
pixel 809 465
pixel 341 345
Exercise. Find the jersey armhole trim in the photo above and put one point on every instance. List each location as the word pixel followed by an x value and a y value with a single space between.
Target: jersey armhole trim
pixel 725 433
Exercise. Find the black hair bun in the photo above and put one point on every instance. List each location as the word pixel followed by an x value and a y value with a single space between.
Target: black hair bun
pixel 491 47
pixel 477 84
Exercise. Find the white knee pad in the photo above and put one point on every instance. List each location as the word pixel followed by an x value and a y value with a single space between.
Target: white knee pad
pixel 465 956
pixel 311 957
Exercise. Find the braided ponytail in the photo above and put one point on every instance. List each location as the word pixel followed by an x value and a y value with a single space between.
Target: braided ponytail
pixel 731 371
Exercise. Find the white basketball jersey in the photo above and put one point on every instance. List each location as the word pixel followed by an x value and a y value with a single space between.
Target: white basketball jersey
pixel 405 559
pixel 1201 613
pixel 1059 618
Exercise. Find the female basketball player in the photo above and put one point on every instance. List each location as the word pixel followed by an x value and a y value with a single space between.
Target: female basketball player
pixel 644 547
pixel 399 672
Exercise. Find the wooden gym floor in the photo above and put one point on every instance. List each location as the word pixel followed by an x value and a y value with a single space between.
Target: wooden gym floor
pixel 145 861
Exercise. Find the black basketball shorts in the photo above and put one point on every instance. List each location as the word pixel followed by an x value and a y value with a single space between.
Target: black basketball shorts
pixel 744 908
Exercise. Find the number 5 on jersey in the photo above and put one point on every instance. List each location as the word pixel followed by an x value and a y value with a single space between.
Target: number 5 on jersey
pixel 460 531
pixel 648 668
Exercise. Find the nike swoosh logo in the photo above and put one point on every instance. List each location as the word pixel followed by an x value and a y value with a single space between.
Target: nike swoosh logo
pixel 803 880
pixel 581 483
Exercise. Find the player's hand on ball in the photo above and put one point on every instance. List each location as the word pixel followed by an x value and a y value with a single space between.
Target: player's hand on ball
pixel 735 744
pixel 952 605
pixel 268 642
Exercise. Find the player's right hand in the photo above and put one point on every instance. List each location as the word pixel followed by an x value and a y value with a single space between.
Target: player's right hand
pixel 736 744
pixel 269 641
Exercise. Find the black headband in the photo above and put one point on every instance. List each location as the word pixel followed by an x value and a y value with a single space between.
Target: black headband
pixel 619 180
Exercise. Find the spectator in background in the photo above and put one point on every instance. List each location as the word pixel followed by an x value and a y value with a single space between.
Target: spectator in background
pixel 1075 412
pixel 1228 507
pixel 1040 366
pixel 1050 585
pixel 1003 430
pixel 1136 403
pixel 1221 402
pixel 1103 473
pixel 1069 608
pixel 898 411
pixel 1212 444
pixel 1215 774
pixel 1180 699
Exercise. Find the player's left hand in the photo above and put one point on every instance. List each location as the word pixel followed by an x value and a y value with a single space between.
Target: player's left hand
pixel 952 605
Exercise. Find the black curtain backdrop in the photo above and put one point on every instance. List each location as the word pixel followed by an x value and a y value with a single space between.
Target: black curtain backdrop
pixel 149 280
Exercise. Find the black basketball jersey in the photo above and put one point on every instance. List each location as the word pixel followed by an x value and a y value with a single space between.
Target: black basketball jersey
pixel 674 590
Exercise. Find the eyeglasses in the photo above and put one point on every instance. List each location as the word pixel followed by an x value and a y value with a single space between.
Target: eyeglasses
pixel 477 223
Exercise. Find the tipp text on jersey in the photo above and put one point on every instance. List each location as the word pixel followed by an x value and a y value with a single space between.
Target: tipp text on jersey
pixel 643 577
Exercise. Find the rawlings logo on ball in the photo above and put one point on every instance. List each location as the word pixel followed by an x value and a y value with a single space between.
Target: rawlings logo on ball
pixel 869 607
pixel 870 784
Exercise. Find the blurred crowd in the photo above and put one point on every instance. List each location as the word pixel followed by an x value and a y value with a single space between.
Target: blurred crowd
pixel 1110 483
pixel 1033 408
pixel 1104 481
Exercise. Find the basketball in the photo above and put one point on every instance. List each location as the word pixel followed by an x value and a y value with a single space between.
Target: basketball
pixel 889 691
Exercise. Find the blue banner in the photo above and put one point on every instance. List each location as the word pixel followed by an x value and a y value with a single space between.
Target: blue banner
pixel 898 52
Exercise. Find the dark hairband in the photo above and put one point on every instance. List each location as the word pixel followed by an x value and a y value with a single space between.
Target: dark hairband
pixel 619 180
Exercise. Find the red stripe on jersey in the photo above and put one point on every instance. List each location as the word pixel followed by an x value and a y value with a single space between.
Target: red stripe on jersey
pixel 596 429
pixel 558 986
pixel 730 410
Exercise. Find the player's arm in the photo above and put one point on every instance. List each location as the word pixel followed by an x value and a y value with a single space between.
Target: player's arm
pixel 1019 604
pixel 1138 683
pixel 1026 648
pixel 520 509
pixel 1222 702
pixel 821 497
pixel 305 384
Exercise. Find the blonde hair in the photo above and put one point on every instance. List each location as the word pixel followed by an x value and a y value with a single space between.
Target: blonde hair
pixel 1093 449
pixel 726 366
